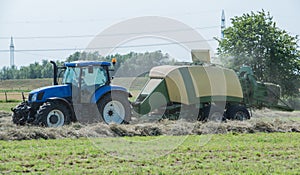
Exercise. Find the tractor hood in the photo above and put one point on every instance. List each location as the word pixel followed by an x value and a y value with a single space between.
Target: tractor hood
pixel 41 94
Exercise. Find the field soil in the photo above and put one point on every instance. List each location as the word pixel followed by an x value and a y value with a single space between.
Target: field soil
pixel 261 121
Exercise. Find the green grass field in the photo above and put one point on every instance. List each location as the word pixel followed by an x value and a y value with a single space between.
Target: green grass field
pixel 26 85
pixel 7 106
pixel 263 153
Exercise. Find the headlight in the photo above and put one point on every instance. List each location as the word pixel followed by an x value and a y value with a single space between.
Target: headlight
pixel 34 97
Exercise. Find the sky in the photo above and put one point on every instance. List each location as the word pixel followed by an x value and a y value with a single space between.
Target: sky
pixel 67 26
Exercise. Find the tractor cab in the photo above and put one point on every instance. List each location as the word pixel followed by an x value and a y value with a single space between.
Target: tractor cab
pixel 86 73
pixel 85 78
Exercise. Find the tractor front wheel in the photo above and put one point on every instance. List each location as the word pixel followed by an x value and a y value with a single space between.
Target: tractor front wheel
pixel 114 109
pixel 20 113
pixel 53 114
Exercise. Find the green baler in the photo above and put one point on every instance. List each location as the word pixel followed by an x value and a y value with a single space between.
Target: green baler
pixel 212 90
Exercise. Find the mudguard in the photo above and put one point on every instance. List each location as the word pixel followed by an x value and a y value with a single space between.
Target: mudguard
pixel 106 89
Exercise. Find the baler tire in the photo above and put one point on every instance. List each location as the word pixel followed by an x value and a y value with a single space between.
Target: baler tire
pixel 208 112
pixel 237 112
pixel 106 105
pixel 54 109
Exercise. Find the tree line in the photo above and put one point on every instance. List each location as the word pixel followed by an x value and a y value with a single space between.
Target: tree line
pixel 131 64
pixel 34 70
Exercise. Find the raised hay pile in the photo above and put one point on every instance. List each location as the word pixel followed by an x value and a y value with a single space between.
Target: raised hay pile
pixel 262 121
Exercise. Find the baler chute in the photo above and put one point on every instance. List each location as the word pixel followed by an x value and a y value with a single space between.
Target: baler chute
pixel 259 94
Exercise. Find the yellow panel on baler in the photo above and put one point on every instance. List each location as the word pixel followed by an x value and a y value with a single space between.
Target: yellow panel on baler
pixel 175 84
pixel 162 71
pixel 186 84
pixel 215 81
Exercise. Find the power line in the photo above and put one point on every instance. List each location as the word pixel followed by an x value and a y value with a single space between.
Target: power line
pixel 107 35
pixel 97 48
pixel 27 53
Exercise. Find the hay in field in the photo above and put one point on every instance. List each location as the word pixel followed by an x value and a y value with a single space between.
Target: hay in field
pixel 262 121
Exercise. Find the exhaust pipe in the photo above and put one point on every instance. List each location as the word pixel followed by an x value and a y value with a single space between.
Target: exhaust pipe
pixel 54 73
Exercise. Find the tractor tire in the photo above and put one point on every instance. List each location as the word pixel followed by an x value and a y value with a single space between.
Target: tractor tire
pixel 53 114
pixel 20 114
pixel 211 113
pixel 237 112
pixel 114 110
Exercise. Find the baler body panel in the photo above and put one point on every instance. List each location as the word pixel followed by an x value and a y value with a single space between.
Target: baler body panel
pixel 189 84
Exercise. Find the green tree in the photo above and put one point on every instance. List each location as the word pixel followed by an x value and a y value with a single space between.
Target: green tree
pixel 84 56
pixel 135 64
pixel 256 41
pixel 47 69
pixel 24 72
pixel 74 57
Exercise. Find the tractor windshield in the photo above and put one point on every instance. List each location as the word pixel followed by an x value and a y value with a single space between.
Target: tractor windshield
pixel 71 75
pixel 88 76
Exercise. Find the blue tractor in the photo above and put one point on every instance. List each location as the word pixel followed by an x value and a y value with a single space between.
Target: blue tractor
pixel 85 93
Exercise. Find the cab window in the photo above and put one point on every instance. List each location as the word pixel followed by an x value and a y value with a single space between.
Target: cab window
pixel 97 76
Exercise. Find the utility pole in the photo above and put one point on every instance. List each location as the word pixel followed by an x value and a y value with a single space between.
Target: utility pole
pixel 12 50
pixel 222 24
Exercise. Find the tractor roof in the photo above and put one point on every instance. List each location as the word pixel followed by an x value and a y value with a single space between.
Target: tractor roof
pixel 87 63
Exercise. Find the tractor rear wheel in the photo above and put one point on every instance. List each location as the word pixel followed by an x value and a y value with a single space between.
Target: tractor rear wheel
pixel 114 110
pixel 237 112
pixel 53 114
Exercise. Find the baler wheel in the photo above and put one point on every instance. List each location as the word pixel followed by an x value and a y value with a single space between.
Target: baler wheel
pixel 237 112
pixel 211 113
